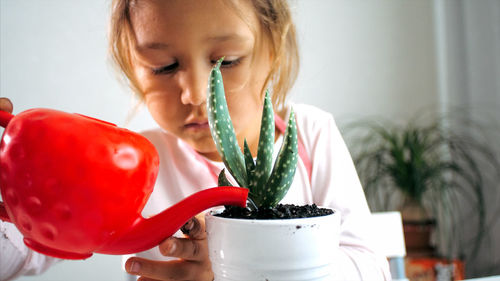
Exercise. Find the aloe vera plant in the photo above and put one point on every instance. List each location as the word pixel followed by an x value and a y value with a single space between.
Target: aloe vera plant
pixel 268 183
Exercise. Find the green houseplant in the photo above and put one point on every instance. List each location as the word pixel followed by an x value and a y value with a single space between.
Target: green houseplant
pixel 268 184
pixel 431 174
pixel 304 243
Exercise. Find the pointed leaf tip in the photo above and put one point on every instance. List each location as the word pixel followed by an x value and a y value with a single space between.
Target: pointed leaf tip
pixel 219 62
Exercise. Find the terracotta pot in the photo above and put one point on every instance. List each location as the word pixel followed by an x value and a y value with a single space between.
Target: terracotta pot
pixel 418 238
pixel 418 227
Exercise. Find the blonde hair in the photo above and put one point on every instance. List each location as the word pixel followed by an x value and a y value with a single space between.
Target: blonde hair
pixel 274 17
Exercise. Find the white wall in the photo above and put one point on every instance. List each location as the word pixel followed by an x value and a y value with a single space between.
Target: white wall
pixel 468 52
pixel 363 58
pixel 53 54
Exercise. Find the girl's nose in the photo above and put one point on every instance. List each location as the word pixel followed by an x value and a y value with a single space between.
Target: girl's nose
pixel 193 85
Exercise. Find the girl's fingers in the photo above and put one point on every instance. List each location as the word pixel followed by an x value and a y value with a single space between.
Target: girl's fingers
pixel 193 247
pixel 168 270
pixel 159 270
pixel 192 251
pixel 195 227
pixel 6 105
pixel 146 279
pixel 185 248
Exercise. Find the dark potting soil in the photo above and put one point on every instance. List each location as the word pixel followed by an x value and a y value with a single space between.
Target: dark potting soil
pixel 282 211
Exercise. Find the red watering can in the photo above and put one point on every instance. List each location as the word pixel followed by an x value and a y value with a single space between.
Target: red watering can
pixel 74 185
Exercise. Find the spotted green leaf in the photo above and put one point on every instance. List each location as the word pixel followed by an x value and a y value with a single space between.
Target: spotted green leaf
pixel 222 180
pixel 266 146
pixel 268 184
pixel 250 165
pixel 222 128
pixel 284 169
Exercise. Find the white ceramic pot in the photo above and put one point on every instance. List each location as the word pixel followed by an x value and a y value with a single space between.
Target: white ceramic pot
pixel 271 250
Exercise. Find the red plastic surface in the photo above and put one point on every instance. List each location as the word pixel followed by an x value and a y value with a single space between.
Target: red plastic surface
pixel 75 185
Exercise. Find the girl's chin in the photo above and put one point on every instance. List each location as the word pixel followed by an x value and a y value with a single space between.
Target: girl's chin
pixel 214 156
pixel 204 146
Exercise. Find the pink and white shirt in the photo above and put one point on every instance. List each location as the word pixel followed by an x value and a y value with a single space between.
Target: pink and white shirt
pixel 331 181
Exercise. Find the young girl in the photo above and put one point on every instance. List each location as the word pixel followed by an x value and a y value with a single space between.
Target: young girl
pixel 166 49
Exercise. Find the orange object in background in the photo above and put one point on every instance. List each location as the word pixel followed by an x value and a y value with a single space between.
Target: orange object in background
pixel 434 269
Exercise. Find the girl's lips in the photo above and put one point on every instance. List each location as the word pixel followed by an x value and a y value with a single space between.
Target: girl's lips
pixel 197 125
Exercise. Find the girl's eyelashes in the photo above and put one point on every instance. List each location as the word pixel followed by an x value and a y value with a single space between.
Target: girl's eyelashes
pixel 165 69
pixel 229 63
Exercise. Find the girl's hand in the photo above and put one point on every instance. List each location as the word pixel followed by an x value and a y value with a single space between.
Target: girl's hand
pixel 6 105
pixel 192 251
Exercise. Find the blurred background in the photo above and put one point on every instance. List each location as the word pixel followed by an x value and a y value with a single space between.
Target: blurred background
pixel 389 59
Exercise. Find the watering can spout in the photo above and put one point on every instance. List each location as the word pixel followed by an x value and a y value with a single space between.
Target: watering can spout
pixel 146 233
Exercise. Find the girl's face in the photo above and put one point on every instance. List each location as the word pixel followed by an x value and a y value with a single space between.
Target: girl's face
pixel 178 42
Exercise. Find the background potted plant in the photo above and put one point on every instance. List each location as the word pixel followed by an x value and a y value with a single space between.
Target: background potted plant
pixel 433 175
pixel 266 241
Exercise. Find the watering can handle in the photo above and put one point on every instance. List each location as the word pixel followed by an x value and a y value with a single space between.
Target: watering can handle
pixel 3 213
pixel 5 118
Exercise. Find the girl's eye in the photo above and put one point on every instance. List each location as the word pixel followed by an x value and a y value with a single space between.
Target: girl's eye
pixel 165 69
pixel 229 63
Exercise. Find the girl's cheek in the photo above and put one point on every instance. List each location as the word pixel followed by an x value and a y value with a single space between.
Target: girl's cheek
pixel 141 78
pixel 157 85
pixel 161 111
pixel 236 79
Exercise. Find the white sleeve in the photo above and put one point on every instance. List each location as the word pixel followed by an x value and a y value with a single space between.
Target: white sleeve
pixel 15 258
pixel 335 184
